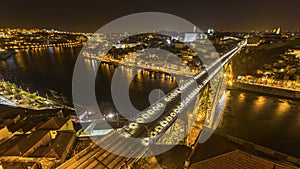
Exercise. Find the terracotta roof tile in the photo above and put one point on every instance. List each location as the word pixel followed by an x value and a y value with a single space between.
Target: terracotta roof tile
pixel 54 123
pixel 237 160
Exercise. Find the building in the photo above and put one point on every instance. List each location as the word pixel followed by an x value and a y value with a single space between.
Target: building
pixel 59 148
pixel 55 124
pixel 24 144
pixel 12 113
pixel 38 149
pixel 4 133
pixel 191 37
pixel 34 143
pixel 210 31
pixel 2 34
pixel 9 125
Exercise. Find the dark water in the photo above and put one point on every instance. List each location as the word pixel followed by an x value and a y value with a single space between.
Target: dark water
pixel 52 68
pixel 139 89
pixel 40 69
pixel 265 120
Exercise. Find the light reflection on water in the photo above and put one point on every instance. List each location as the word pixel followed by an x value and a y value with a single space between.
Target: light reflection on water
pixel 42 68
pixel 264 120
pixel 283 107
pixel 259 103
pixel 241 97
pixel 140 87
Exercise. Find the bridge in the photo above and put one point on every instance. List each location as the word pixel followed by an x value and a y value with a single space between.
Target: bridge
pixel 145 130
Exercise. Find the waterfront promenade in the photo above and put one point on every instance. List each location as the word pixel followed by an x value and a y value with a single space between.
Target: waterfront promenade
pixel 12 95
pixel 267 89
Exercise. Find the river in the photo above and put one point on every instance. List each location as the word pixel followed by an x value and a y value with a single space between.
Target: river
pixel 266 120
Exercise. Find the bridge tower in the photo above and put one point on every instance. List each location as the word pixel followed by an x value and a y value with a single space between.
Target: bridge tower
pixel 187 127
pixel 229 74
pixel 211 102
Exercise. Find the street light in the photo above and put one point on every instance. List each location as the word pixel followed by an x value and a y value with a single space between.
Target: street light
pixel 110 115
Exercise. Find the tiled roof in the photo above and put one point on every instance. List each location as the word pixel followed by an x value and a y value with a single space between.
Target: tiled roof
pixel 27 142
pixel 29 125
pixel 4 107
pixel 54 123
pixel 16 126
pixel 57 147
pixel 8 144
pixel 237 160
pixel 60 144
pixel 10 112
pixel 19 165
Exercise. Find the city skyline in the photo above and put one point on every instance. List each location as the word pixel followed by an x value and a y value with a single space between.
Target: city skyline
pixel 171 84
pixel 88 17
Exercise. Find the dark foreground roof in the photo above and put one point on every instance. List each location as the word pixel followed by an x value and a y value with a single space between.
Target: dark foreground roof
pixel 237 160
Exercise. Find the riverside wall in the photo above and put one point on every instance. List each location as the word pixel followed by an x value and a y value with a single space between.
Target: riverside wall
pixel 293 94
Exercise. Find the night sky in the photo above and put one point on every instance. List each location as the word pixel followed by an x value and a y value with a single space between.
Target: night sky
pixel 90 15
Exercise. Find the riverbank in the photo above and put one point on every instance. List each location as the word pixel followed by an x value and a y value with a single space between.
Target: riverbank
pixel 14 96
pixel 271 90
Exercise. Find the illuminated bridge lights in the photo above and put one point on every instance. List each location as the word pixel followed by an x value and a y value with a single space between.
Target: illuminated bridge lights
pixel 221 58
pixel 139 120
pixel 191 95
pixel 205 81
pixel 145 116
pixel 129 130
pixel 158 128
pixel 200 87
pixel 155 108
pixel 167 99
pixel 173 114
pixel 153 134
pixel 172 95
pixel 199 75
pixel 164 123
pixel 151 112
pixel 160 105
pixel 133 125
pixel 126 134
pixel 134 128
pixel 169 118
pixel 187 84
pixel 180 106
pixel 146 141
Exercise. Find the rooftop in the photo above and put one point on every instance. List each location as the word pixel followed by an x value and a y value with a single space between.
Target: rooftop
pixel 8 112
pixel 54 123
pixel 57 147
pixel 20 144
pixel 237 159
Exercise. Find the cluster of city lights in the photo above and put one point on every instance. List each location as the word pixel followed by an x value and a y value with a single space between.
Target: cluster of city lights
pixel 153 110
pixel 166 121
